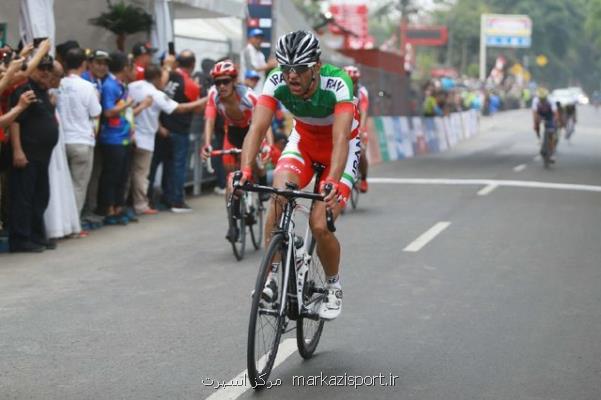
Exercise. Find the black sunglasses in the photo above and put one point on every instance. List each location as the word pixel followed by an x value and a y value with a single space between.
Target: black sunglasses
pixel 297 69
pixel 220 82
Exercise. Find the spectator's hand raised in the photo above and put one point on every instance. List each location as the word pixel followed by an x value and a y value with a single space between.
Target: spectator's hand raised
pixel 44 46
pixel 26 99
pixel 169 61
pixel 19 159
pixel 26 51
pixel 15 65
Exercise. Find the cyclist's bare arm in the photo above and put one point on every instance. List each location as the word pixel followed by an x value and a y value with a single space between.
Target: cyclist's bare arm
pixel 536 119
pixel 261 122
pixel 340 136
pixel 363 123
pixel 209 129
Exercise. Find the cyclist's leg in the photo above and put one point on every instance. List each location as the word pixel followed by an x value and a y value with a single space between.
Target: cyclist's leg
pixel 231 162
pixel 328 247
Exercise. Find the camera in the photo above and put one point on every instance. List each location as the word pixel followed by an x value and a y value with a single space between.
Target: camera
pixel 6 56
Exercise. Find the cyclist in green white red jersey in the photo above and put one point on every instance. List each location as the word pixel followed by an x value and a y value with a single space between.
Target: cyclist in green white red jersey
pixel 320 96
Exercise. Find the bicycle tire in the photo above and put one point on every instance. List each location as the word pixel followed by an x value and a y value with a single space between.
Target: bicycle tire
pixel 239 245
pixel 256 230
pixel 308 331
pixel 545 151
pixel 355 196
pixel 258 375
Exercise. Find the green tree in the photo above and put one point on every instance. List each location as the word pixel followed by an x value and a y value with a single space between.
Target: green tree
pixel 123 20
pixel 559 32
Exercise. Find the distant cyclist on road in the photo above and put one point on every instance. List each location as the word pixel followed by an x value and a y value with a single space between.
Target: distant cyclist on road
pixel 569 118
pixel 362 96
pixel 235 102
pixel 544 110
pixel 320 96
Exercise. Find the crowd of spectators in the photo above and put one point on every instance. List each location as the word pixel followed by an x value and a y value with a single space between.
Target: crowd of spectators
pixel 447 95
pixel 83 137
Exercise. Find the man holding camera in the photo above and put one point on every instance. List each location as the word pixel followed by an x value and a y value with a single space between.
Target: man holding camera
pixel 33 137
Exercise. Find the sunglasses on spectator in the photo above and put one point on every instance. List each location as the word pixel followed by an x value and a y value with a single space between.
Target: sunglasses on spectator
pixel 224 82
pixel 297 69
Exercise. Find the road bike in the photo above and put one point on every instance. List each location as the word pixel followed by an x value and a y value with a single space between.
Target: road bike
pixel 246 212
pixel 294 277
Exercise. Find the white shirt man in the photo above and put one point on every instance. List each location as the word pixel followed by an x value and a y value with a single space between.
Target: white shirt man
pixel 253 59
pixel 78 107
pixel 147 126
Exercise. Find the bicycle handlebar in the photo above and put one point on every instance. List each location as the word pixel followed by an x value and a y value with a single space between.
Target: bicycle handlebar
pixel 290 194
pixel 215 153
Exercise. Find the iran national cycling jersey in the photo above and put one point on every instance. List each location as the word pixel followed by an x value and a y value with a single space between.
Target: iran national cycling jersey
pixel 311 137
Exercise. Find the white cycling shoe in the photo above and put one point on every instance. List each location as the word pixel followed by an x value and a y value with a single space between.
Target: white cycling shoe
pixel 332 306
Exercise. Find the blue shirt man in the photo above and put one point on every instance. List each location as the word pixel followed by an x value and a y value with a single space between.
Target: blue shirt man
pixel 115 130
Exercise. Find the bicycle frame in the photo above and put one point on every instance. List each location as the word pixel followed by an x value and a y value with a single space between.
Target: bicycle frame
pixel 297 285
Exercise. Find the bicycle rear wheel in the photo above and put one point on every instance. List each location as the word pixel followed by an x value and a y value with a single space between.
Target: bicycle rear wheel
pixel 309 329
pixel 256 229
pixel 266 324
pixel 545 150
pixel 239 245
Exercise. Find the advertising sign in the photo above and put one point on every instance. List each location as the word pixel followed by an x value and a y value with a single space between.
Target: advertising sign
pixel 507 30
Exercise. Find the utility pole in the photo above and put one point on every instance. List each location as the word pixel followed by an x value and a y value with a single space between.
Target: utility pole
pixel 404 22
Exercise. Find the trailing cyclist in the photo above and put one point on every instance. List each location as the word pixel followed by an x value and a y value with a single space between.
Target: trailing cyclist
pixel 544 110
pixel 235 102
pixel 362 97
pixel 320 96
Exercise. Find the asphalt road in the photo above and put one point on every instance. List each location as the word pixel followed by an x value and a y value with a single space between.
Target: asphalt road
pixel 503 303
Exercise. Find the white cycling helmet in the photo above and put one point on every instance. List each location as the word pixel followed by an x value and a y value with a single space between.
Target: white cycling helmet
pixel 297 48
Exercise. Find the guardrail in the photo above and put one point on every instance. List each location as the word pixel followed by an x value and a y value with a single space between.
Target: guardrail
pixel 397 138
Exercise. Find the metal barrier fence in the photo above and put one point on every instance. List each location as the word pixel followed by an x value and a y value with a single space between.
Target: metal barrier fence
pixel 396 138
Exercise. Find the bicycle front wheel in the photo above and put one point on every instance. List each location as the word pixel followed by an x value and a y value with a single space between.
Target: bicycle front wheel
pixel 239 245
pixel 309 328
pixel 256 229
pixel 266 323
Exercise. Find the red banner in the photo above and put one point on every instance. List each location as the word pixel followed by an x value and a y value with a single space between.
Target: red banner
pixel 351 21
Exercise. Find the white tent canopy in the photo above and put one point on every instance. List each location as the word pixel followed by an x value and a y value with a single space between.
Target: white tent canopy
pixel 211 29
pixel 36 19
pixel 209 8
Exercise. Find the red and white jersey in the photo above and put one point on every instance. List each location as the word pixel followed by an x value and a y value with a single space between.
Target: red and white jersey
pixel 363 97
pixel 248 100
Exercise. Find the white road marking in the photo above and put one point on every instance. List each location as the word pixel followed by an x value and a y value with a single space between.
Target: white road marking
pixel 426 237
pixel 485 182
pixel 240 384
pixel 520 168
pixel 487 189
